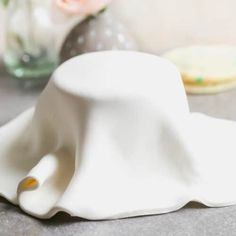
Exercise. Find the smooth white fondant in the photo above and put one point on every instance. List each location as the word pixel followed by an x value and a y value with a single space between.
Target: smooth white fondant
pixel 112 136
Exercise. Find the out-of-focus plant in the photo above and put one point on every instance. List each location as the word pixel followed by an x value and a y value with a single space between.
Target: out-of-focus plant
pixel 81 7
pixel 5 2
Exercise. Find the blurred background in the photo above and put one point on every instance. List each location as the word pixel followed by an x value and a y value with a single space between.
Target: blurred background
pixel 41 31
pixel 159 25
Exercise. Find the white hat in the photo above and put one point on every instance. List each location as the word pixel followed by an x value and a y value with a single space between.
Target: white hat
pixel 112 136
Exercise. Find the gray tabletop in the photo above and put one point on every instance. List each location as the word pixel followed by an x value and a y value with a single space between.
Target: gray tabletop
pixel 194 219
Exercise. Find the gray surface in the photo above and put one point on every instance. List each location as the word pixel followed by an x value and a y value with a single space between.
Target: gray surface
pixel 194 219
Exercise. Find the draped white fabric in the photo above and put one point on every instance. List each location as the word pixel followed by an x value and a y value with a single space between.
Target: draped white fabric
pixel 112 136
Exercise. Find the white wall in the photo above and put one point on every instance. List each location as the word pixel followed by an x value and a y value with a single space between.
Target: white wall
pixel 163 24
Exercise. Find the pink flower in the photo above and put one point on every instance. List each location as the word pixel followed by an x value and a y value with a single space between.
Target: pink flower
pixel 81 7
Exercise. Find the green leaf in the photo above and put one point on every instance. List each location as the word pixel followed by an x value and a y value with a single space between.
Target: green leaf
pixel 5 2
pixel 102 10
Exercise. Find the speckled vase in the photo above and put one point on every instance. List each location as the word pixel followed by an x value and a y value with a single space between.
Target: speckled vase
pixel 98 33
